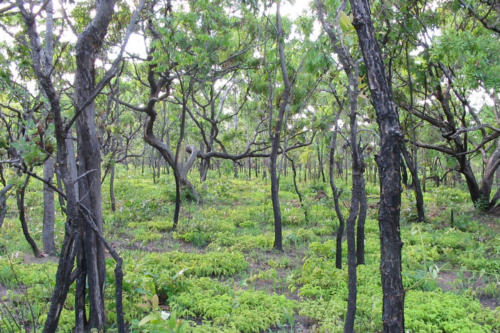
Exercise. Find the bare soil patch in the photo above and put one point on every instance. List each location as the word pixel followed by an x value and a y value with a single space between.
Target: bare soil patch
pixel 446 281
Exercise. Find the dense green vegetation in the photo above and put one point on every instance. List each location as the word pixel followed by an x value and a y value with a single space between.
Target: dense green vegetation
pixel 249 166
pixel 218 273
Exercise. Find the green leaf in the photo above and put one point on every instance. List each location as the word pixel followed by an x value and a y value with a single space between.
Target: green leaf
pixel 345 21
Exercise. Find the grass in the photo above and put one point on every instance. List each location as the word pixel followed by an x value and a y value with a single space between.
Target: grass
pixel 218 273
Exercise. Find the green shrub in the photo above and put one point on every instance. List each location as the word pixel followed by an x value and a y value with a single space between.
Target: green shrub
pixel 243 311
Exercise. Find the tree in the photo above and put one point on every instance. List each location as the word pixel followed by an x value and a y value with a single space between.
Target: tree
pixel 389 163
pixel 358 206
pixel 83 239
pixel 442 78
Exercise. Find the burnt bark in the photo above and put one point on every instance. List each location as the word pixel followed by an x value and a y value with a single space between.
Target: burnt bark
pixel 91 255
pixel 3 202
pixel 276 134
pixel 388 162
pixel 358 207
pixel 22 217
pixel 360 231
pixel 80 218
pixel 49 246
pixel 419 198
pixel 296 187
pixel 336 195
pixel 112 186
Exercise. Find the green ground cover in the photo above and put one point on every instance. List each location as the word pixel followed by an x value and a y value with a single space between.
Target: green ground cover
pixel 218 273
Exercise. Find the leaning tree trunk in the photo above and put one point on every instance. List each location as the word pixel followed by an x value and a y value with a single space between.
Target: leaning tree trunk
pixel 388 161
pixel 49 246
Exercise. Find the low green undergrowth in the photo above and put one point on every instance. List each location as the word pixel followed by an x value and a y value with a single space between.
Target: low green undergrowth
pixel 218 272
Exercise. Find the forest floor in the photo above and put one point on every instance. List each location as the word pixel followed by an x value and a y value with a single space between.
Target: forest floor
pixel 218 272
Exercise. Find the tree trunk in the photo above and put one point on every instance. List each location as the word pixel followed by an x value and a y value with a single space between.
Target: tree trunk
pixel 22 217
pixel 492 165
pixel 79 217
pixel 412 166
pixel 388 161
pixel 249 168
pixel 112 197
pixel 3 202
pixel 89 158
pixel 404 174
pixel 304 208
pixel 320 162
pixel 49 246
pixel 204 166
pixel 360 232
pixel 278 242
pixel 336 196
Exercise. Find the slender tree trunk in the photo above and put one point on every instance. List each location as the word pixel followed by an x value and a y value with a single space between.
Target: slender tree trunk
pixel 424 179
pixel 3 202
pixel 351 254
pixel 249 168
pixel 204 166
pixel 388 161
pixel 22 218
pixel 294 170
pixel 49 246
pixel 320 163
pixel 336 196
pixel 235 170
pixel 278 242
pixel 112 186
pixel 416 183
pixel 360 232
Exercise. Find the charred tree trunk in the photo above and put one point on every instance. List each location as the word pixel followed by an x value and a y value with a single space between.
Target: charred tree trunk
pixel 320 163
pixel 22 217
pixel 112 197
pixel 404 174
pixel 89 157
pixel 388 161
pixel 204 166
pixel 275 139
pixel 360 232
pixel 336 195
pixel 412 166
pixel 79 217
pixel 3 202
pixel 49 246
pixel 301 201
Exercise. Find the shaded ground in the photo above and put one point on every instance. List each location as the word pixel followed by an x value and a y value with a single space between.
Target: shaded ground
pixel 450 281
